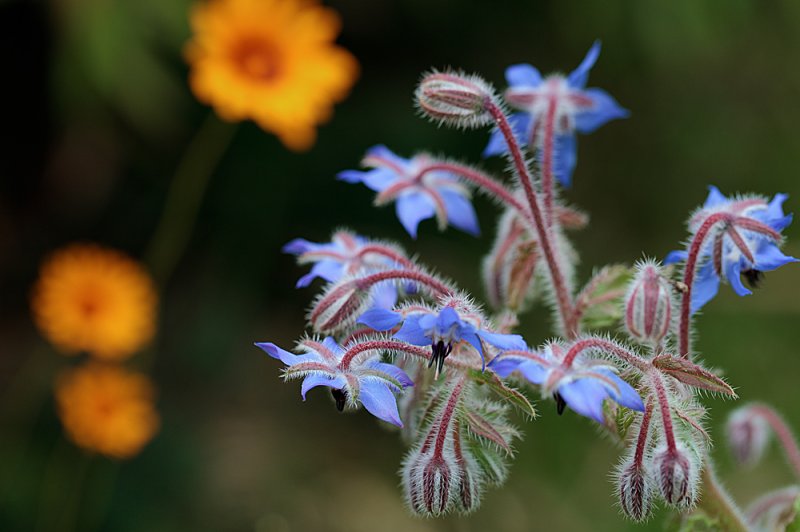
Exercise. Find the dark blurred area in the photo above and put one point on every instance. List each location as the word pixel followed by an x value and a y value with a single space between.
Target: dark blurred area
pixel 98 114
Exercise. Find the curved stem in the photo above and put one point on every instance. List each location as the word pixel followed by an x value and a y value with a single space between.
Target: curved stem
pixel 609 347
pixel 644 432
pixel 716 502
pixel 664 408
pixel 783 433
pixel 689 274
pixel 388 253
pixel 422 353
pixel 411 275
pixel 563 297
pixel 548 149
pixel 185 195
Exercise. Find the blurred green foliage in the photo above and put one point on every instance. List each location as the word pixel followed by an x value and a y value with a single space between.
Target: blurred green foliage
pixel 100 114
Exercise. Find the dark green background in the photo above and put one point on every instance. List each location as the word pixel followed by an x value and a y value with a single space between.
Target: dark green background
pixel 97 115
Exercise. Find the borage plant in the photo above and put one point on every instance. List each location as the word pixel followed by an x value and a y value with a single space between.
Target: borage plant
pixel 384 319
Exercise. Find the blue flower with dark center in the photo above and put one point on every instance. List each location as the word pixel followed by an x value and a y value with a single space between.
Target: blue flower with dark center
pixel 442 330
pixel 583 386
pixel 721 254
pixel 558 103
pixel 418 193
pixel 366 380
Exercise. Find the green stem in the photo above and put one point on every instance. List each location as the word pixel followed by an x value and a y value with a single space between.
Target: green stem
pixel 717 503
pixel 185 196
pixel 65 473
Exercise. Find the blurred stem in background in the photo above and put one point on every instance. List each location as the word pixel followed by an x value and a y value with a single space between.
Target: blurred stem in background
pixel 716 502
pixel 185 195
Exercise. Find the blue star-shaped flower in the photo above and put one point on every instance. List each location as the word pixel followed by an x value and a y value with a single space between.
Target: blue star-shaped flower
pixel 575 108
pixel 368 381
pixel 722 255
pixel 345 254
pixel 419 194
pixel 442 330
pixel 583 386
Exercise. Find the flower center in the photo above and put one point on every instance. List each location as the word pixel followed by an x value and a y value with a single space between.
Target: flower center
pixel 257 59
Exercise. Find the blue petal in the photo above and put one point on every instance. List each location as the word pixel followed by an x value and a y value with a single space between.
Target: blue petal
pixel 504 366
pixel 733 270
pixel 460 212
pixel 411 332
pixel 715 198
pixel 312 381
pixel 383 152
pixel 705 287
pixel 475 342
pixel 536 373
pixel 384 295
pixel 604 109
pixel 565 158
pixel 523 75
pixel 379 401
pixel 627 396
pixel 380 179
pixel 333 346
pixel 380 319
pixel 412 208
pixel 328 269
pixel 521 125
pixel 276 352
pixel 578 77
pixel 676 256
pixel 504 341
pixel 305 280
pixel 394 372
pixel 770 257
pixel 445 321
pixel 585 396
pixel 779 224
pixel 351 176
pixel 298 246
pixel 775 207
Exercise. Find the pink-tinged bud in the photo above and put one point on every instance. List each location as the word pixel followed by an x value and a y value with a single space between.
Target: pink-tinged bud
pixel 635 491
pixel 676 476
pixel 748 434
pixel 455 99
pixel 430 477
pixel 649 304
pixel 509 269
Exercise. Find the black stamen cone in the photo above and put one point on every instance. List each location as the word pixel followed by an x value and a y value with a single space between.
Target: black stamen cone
pixel 561 404
pixel 753 277
pixel 340 397
pixel 440 350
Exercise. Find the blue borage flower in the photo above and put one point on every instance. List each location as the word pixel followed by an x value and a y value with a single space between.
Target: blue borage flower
pixel 418 194
pixel 583 386
pixel 576 109
pixel 367 380
pixel 443 329
pixel 346 254
pixel 722 255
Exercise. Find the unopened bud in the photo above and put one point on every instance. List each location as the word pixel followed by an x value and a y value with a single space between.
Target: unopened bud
pixel 635 491
pixel 748 434
pixel 339 306
pixel 676 476
pixel 455 99
pixel 648 305
pixel 430 478
pixel 509 269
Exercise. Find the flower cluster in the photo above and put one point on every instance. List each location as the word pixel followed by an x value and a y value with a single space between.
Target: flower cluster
pixel 385 316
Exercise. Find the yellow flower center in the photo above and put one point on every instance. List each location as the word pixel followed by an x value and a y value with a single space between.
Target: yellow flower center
pixel 257 59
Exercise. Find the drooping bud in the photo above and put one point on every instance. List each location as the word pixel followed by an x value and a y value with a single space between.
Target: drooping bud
pixel 748 434
pixel 649 304
pixel 509 269
pixel 339 306
pixel 455 99
pixel 428 479
pixel 676 476
pixel 634 490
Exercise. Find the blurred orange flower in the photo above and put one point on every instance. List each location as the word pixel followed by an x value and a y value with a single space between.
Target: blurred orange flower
pixel 107 409
pixel 273 61
pixel 94 299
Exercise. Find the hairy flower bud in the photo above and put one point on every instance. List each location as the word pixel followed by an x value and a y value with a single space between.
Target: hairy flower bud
pixel 339 306
pixel 676 476
pixel 648 305
pixel 509 269
pixel 455 99
pixel 748 434
pixel 635 491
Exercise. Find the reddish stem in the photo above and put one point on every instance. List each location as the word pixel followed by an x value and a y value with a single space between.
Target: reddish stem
pixel 447 415
pixel 663 405
pixel 641 441
pixel 608 346
pixel 783 433
pixel 388 253
pixel 548 147
pixel 563 297
pixel 412 275
pixel 689 274
pixel 383 345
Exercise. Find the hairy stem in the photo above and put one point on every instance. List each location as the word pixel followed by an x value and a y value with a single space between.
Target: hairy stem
pixel 783 433
pixel 548 149
pixel 663 404
pixel 606 346
pixel 716 502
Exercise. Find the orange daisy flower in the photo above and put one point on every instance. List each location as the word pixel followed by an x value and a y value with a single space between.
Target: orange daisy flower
pixel 96 300
pixel 273 61
pixel 107 409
